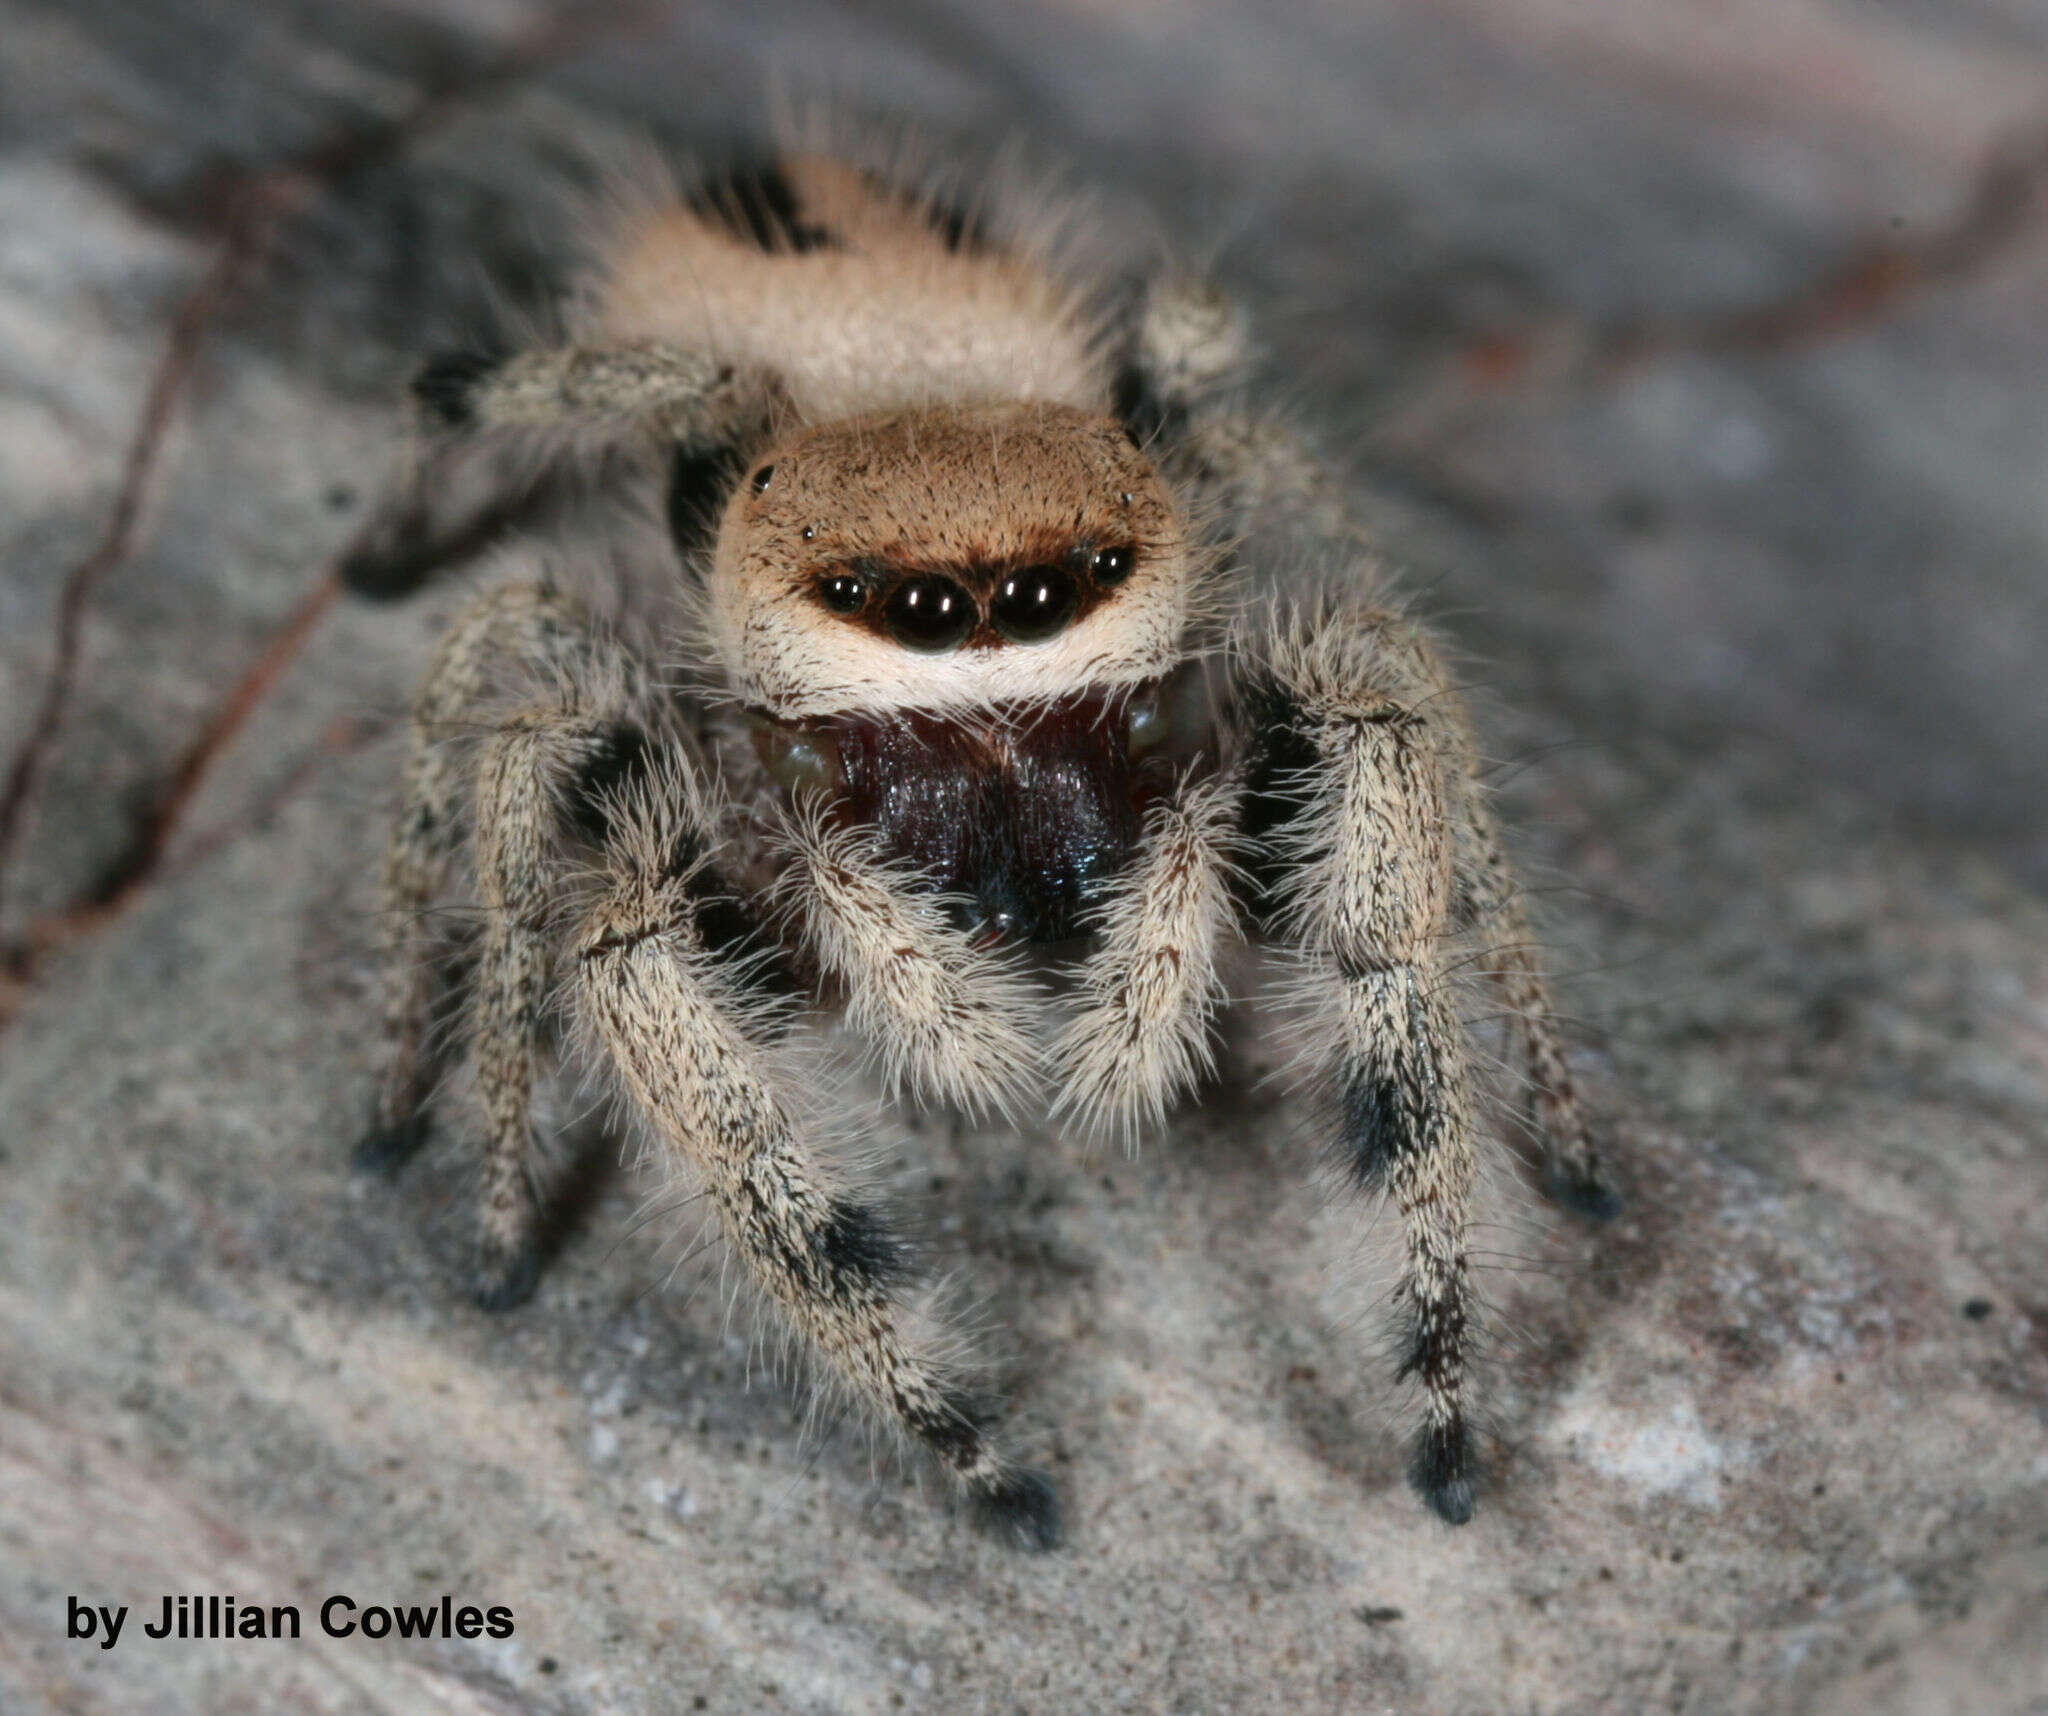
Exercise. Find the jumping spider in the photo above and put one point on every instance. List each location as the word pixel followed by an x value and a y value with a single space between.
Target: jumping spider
pixel 972 631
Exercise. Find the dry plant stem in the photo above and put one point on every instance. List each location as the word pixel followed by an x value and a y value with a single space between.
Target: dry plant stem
pixel 256 211
pixel 1561 352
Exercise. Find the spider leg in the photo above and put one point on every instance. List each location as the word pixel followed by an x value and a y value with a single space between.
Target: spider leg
pixel 1487 896
pixel 1356 751
pixel 1151 988
pixel 451 498
pixel 494 428
pixel 1180 391
pixel 525 776
pixel 946 1021
pixel 648 386
pixel 515 622
pixel 688 1056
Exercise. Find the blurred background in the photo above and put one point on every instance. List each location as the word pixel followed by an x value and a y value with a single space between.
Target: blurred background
pixel 1689 356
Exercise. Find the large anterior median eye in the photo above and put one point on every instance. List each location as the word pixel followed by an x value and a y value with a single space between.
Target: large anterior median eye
pixel 1033 604
pixel 929 613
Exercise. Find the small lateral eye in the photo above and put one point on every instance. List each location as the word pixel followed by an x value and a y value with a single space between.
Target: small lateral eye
pixel 1112 566
pixel 843 592
pixel 759 480
pixel 809 532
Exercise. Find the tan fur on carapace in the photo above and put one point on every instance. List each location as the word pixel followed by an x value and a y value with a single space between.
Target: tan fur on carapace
pixel 882 312
pixel 962 487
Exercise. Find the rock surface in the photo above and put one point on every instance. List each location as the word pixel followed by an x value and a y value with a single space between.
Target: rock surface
pixel 1760 604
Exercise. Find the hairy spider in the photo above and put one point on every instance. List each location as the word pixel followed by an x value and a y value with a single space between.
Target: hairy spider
pixel 976 624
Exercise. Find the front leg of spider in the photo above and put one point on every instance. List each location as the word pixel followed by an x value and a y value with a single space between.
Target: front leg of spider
pixel 1363 775
pixel 518 623
pixel 687 1051
pixel 499 435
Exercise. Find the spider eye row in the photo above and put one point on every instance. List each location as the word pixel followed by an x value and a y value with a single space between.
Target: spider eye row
pixel 931 612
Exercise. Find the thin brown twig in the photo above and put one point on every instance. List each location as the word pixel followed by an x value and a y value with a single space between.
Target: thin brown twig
pixel 256 208
pixel 139 858
pixel 1865 286
pixel 167 386
pixel 339 738
pixel 1562 352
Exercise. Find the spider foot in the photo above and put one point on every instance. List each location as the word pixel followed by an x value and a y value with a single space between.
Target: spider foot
pixel 1021 1508
pixel 507 1276
pixel 386 1148
pixel 1444 1470
pixel 1585 1191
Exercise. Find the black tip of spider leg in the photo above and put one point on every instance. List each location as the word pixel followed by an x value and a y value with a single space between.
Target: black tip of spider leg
pixel 382 573
pixel 1591 1195
pixel 1444 1470
pixel 385 1149
pixel 505 1280
pixel 1022 1509
pixel 446 385
pixel 399 553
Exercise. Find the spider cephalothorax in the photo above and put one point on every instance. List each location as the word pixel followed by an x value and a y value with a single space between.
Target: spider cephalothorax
pixel 952 625
pixel 964 638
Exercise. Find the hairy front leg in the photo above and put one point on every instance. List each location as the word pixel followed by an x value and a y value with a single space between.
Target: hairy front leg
pixel 1150 991
pixel 1366 771
pixel 672 1023
pixel 1488 897
pixel 501 436
pixel 944 1021
pixel 526 775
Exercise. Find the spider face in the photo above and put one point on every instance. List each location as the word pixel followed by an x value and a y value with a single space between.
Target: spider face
pixel 953 559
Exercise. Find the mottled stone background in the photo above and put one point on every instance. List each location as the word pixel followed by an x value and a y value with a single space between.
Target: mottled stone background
pixel 1690 357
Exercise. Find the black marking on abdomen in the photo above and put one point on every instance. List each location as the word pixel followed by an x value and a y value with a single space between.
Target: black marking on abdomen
pixel 760 205
pixel 959 228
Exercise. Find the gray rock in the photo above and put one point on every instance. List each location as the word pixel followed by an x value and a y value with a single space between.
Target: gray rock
pixel 1760 638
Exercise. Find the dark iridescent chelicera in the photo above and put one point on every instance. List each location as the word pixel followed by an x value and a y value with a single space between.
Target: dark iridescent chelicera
pixel 928 612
